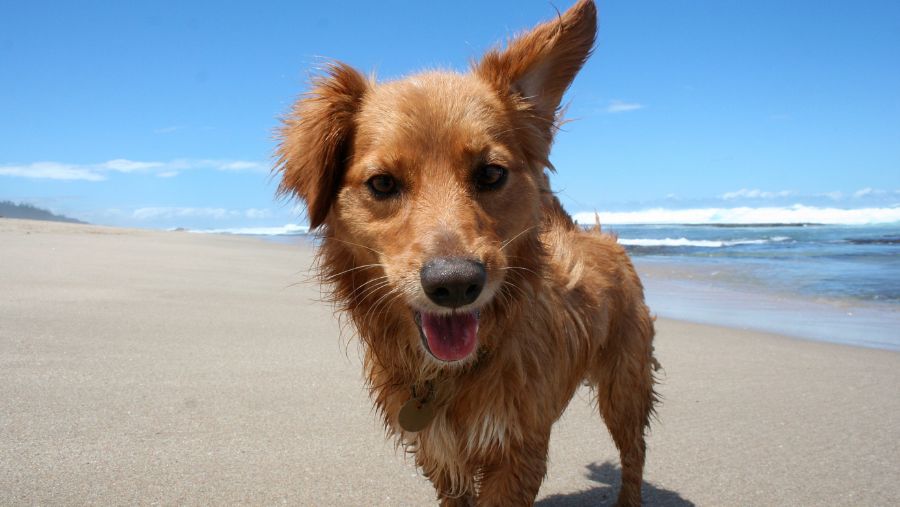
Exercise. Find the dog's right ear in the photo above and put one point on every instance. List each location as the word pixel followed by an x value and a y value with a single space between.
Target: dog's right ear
pixel 538 66
pixel 316 139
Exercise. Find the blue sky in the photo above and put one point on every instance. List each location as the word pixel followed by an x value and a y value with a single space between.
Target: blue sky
pixel 160 114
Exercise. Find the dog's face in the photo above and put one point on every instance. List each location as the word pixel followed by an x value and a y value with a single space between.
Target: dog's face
pixel 437 184
pixel 433 181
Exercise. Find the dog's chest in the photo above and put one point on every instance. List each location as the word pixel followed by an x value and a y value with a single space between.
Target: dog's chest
pixel 464 430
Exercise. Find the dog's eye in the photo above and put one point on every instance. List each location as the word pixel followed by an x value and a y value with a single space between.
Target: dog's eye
pixel 490 177
pixel 383 185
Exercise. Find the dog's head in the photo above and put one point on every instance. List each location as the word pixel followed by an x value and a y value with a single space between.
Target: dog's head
pixel 432 185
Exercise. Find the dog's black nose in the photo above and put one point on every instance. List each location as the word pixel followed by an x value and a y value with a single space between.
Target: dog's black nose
pixel 453 281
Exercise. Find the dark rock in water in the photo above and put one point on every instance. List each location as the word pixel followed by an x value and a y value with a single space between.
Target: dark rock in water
pixel 885 240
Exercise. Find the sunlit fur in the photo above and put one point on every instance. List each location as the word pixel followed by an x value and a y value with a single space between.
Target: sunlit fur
pixel 561 306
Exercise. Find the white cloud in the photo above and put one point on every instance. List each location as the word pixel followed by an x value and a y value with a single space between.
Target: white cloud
pixel 242 165
pixel 745 193
pixel 256 213
pixel 796 214
pixel 167 212
pixel 51 171
pixel 620 106
pixel 127 166
pixel 870 192
pixel 97 172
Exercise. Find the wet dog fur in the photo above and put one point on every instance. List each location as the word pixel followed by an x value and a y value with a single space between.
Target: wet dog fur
pixel 400 173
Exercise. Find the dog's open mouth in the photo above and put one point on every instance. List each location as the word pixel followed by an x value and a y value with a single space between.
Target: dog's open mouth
pixel 449 337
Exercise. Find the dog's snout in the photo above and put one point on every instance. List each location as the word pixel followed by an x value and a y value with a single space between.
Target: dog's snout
pixel 453 281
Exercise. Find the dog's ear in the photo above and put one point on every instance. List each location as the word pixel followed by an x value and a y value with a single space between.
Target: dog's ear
pixel 316 138
pixel 538 66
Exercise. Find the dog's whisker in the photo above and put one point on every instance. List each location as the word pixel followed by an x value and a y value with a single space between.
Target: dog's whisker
pixel 297 284
pixel 509 283
pixel 358 268
pixel 368 283
pixel 356 244
pixel 504 300
pixel 358 298
pixel 372 290
pixel 521 268
pixel 507 242
pixel 373 312
pixel 373 309
pixel 391 290
pixel 363 286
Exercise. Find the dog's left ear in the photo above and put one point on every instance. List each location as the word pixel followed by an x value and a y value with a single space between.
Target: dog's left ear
pixel 316 140
pixel 538 66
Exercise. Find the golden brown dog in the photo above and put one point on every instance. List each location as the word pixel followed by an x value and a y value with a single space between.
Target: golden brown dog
pixel 482 307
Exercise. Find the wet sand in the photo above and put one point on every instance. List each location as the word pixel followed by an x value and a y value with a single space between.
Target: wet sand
pixel 725 296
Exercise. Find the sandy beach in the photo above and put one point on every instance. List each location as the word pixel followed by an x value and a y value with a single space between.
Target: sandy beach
pixel 148 367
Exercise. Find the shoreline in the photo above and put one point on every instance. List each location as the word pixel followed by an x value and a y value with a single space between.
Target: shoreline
pixel 145 366
pixel 688 291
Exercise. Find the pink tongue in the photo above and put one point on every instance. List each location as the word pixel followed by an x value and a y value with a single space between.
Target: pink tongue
pixel 451 337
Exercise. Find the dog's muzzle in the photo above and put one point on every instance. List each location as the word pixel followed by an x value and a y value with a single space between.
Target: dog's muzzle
pixel 451 282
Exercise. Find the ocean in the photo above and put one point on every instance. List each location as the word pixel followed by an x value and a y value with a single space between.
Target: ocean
pixel 843 262
pixel 836 283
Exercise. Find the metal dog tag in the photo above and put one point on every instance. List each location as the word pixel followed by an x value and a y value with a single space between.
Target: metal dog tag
pixel 415 415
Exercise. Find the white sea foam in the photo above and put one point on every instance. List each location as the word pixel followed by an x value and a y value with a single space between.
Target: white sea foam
pixel 285 230
pixel 695 242
pixel 796 214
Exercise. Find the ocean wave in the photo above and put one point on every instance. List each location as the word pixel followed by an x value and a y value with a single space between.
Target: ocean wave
pixel 285 230
pixel 796 214
pixel 704 243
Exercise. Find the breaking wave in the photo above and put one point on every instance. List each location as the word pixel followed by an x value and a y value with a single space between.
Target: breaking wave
pixel 704 243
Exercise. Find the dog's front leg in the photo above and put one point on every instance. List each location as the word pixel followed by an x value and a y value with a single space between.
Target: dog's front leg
pixel 450 492
pixel 514 477
pixel 466 500
pixel 448 496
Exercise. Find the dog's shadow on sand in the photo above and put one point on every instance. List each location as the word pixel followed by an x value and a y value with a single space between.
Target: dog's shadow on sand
pixel 609 478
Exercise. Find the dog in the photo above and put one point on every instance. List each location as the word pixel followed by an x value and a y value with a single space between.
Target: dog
pixel 481 306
